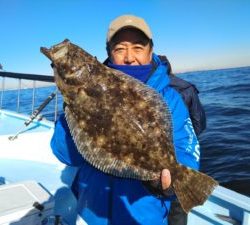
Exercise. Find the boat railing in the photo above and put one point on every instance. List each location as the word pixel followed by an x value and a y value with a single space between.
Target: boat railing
pixel 19 89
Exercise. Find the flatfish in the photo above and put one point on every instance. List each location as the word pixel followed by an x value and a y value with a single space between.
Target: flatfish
pixel 120 125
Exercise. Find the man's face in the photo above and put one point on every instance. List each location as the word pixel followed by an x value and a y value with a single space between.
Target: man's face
pixel 130 47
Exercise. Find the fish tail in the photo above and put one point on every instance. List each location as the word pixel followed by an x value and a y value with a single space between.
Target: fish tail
pixel 192 188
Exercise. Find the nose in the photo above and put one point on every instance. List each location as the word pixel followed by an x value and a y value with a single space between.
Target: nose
pixel 129 57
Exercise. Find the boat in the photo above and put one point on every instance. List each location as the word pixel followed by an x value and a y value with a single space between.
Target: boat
pixel 35 188
pixel 29 172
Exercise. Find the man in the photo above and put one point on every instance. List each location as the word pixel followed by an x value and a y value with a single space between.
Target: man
pixel 105 199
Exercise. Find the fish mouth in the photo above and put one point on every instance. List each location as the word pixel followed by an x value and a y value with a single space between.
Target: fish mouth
pixel 46 52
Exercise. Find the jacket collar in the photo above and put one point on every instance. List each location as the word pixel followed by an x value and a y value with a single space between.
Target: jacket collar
pixel 159 79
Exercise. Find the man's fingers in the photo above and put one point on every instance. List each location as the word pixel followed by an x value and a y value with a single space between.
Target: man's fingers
pixel 165 179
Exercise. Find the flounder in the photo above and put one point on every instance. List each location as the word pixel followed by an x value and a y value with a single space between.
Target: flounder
pixel 120 125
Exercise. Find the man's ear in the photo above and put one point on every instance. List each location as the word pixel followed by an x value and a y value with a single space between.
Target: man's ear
pixel 151 54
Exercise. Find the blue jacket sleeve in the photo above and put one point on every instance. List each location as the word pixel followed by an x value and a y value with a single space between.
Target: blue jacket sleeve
pixel 63 146
pixel 189 94
pixel 187 148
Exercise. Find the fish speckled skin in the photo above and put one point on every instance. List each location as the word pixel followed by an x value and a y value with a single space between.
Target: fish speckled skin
pixel 120 125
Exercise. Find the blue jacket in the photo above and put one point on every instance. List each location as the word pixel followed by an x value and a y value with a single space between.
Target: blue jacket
pixel 105 199
pixel 189 94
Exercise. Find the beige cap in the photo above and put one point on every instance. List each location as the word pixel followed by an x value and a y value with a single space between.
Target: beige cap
pixel 128 21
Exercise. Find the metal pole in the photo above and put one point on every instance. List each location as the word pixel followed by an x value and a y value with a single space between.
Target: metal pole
pixel 33 95
pixel 18 95
pixel 56 105
pixel 2 91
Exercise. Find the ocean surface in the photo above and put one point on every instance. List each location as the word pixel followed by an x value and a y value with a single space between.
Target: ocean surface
pixel 225 144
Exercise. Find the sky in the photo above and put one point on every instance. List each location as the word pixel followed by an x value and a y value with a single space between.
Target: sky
pixel 194 34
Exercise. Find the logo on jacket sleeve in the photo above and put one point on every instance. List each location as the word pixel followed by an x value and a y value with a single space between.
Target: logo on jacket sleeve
pixel 193 146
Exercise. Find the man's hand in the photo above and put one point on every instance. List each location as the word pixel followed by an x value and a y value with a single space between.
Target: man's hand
pixel 160 187
pixel 165 179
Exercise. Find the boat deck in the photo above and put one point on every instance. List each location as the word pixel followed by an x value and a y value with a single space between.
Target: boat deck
pixel 29 157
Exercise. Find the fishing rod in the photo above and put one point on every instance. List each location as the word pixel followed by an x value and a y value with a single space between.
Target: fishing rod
pixel 34 115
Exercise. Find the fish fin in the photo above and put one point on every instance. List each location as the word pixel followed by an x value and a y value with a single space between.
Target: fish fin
pixel 192 188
